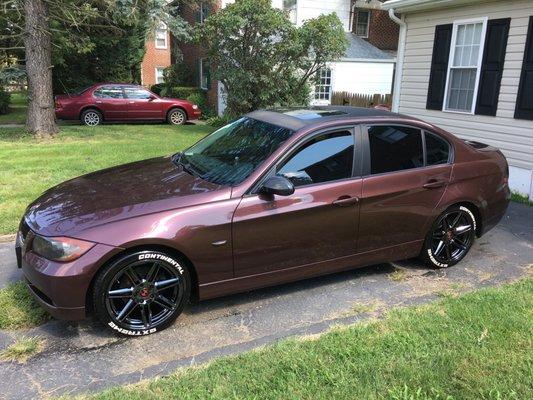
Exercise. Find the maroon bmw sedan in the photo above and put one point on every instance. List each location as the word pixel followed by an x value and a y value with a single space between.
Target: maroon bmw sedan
pixel 123 102
pixel 273 197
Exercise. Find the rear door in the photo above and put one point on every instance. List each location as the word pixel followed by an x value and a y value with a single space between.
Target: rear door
pixel 110 99
pixel 317 222
pixel 403 185
pixel 142 105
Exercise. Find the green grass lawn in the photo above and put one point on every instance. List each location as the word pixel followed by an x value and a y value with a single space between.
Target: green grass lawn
pixel 18 308
pixel 476 346
pixel 28 167
pixel 17 110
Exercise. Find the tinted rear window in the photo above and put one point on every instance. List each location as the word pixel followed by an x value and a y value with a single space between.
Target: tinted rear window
pixel 395 148
pixel 437 150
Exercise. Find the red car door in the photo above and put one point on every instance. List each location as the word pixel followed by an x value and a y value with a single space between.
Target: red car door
pixel 402 189
pixel 110 99
pixel 142 104
pixel 317 222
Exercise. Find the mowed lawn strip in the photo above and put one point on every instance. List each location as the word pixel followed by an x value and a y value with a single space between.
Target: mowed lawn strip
pixel 476 346
pixel 28 167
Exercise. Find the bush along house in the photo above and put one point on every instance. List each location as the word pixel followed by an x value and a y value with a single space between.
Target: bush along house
pixel 467 66
pixel 367 67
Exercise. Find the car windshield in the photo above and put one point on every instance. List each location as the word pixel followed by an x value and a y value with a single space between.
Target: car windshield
pixel 229 155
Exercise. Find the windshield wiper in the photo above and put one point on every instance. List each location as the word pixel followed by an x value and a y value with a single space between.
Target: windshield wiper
pixel 187 167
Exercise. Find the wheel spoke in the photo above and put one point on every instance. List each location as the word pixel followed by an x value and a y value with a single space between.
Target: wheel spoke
pixel 448 252
pixel 128 308
pixel 132 275
pixel 146 315
pixel 456 220
pixel 167 284
pixel 462 229
pixel 164 302
pixel 439 248
pixel 152 274
pixel 120 293
pixel 438 234
pixel 459 244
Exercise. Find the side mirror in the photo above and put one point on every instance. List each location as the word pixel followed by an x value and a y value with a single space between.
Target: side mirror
pixel 277 185
pixel 152 97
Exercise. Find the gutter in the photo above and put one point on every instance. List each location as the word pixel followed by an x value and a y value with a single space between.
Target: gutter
pixel 400 56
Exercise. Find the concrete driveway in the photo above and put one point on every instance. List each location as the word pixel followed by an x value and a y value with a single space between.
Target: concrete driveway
pixel 86 357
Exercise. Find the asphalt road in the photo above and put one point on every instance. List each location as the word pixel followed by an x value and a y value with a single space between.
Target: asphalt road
pixel 86 357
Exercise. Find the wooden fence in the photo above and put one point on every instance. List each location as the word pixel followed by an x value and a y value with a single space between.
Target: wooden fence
pixel 360 100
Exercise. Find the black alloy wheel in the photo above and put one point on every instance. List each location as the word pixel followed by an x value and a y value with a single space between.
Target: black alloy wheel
pixel 451 237
pixel 142 293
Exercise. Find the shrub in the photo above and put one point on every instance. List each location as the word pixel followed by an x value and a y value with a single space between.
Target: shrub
pixel 5 99
pixel 219 121
pixel 200 99
pixel 180 92
pixel 157 88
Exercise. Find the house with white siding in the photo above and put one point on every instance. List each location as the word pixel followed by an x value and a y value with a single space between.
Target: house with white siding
pixel 467 66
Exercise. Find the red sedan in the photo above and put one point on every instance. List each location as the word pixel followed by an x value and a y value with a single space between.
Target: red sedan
pixel 123 102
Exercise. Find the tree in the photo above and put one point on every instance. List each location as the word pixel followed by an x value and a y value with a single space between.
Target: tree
pixel 262 58
pixel 47 30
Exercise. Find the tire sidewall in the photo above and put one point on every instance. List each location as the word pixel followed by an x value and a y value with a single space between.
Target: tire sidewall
pixel 109 272
pixel 85 112
pixel 173 111
pixel 427 253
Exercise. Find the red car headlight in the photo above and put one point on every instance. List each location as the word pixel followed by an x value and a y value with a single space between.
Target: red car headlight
pixel 61 249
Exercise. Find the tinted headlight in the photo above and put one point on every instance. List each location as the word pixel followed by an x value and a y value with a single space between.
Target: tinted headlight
pixel 60 248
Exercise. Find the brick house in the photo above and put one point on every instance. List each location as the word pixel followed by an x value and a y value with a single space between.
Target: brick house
pixel 157 56
pixel 367 67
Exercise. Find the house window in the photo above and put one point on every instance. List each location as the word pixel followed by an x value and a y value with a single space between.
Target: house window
pixel 203 12
pixel 204 73
pixel 362 21
pixel 160 75
pixel 290 7
pixel 161 36
pixel 464 66
pixel 323 85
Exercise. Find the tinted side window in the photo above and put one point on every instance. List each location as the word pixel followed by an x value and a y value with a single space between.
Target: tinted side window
pixel 395 148
pixel 325 158
pixel 109 92
pixel 437 149
pixel 136 93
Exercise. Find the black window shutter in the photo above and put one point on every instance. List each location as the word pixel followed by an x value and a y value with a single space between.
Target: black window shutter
pixel 439 66
pixel 524 100
pixel 492 66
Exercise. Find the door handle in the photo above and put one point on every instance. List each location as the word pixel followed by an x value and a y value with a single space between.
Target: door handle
pixel 433 184
pixel 345 201
pixel 132 102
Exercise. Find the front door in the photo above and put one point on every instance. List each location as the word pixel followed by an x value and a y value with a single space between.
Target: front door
pixel 142 105
pixel 317 222
pixel 403 186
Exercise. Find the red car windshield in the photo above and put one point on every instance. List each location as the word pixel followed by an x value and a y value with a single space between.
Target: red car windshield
pixel 229 155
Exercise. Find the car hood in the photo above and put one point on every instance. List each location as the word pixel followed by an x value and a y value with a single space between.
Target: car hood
pixel 117 193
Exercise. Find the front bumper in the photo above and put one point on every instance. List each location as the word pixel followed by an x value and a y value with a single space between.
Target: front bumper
pixel 196 114
pixel 61 288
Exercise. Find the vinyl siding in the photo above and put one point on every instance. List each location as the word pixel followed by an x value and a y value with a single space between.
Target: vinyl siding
pixel 513 136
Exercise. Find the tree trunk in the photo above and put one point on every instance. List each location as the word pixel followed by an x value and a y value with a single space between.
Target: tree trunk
pixel 38 43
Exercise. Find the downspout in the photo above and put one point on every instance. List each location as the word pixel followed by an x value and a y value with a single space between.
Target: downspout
pixel 399 60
